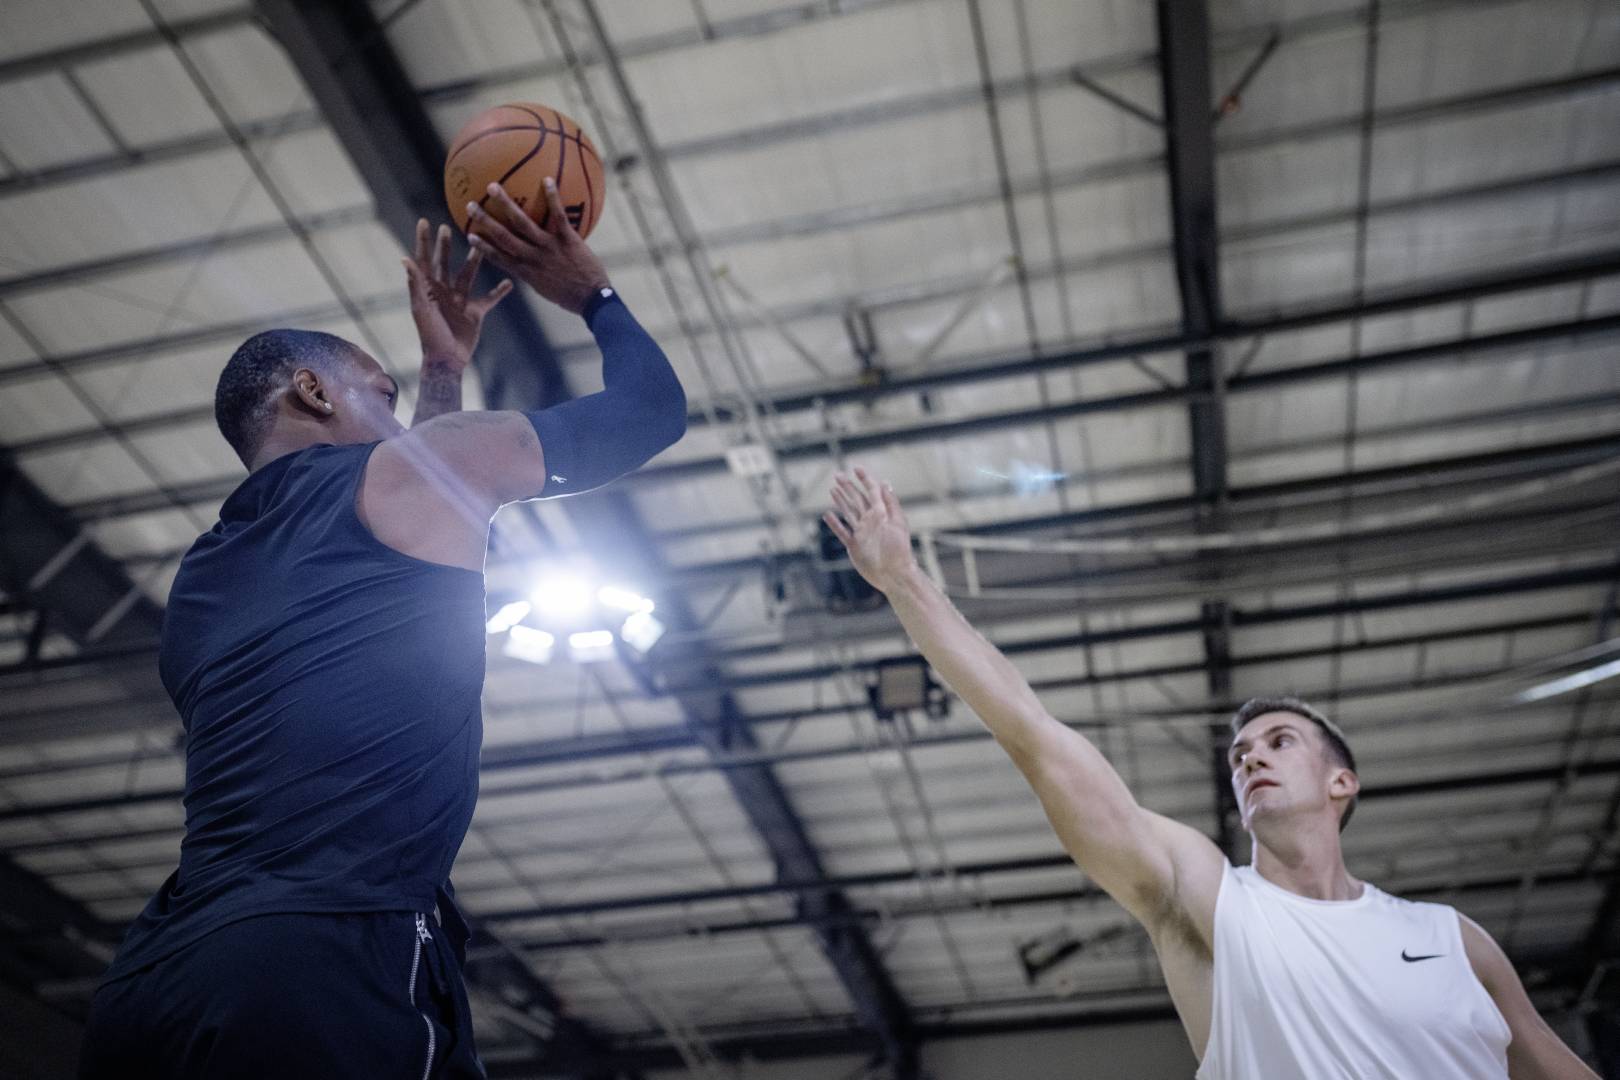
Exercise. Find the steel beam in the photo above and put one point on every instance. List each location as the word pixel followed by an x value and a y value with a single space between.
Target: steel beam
pixel 815 447
pixel 740 752
pixel 1392 479
pixel 1188 97
pixel 1056 860
pixel 979 901
pixel 40 63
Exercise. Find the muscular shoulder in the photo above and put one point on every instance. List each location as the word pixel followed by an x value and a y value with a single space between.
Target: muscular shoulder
pixel 480 457
pixel 421 496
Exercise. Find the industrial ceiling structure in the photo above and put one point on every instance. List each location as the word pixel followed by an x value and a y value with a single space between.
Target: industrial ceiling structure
pixel 1217 348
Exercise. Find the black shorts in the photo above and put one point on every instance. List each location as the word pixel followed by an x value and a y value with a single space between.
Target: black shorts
pixel 304 996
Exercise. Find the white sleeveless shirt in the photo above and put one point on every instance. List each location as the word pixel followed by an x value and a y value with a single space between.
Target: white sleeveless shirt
pixel 1376 987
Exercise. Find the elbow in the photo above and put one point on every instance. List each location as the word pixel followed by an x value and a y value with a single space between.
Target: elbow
pixel 667 419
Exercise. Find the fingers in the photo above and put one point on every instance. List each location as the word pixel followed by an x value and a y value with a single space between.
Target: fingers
pixel 868 486
pixel 891 502
pixel 413 278
pixel 841 502
pixel 441 253
pixel 469 271
pixel 421 252
pixel 519 223
pixel 852 493
pixel 839 529
pixel 483 304
pixel 492 238
pixel 557 222
pixel 486 250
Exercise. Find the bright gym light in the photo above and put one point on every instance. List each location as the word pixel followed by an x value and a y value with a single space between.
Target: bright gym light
pixel 527 643
pixel 1570 682
pixel 562 596
pixel 590 646
pixel 641 631
pixel 507 617
pixel 614 597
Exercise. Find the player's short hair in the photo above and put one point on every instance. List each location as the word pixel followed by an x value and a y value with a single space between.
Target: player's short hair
pixel 1338 746
pixel 243 403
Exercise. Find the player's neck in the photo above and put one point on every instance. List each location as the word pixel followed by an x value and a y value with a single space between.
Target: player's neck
pixel 287 439
pixel 1307 862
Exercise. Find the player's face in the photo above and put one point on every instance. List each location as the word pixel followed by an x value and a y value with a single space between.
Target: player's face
pixel 1279 764
pixel 366 396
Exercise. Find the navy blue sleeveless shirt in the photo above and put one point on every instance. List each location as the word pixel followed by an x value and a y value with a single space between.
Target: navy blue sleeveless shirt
pixel 329 687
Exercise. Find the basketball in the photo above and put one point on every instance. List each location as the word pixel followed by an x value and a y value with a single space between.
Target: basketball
pixel 518 146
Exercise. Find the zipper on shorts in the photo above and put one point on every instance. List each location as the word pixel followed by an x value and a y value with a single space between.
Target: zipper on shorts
pixel 422 937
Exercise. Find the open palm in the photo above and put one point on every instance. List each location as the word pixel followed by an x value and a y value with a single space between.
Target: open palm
pixel 448 317
pixel 868 519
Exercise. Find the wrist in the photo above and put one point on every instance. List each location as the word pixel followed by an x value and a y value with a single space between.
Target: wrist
pixel 904 580
pixel 452 361
pixel 597 295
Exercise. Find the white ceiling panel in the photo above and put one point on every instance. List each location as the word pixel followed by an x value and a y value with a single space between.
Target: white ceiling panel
pixel 222 287
pixel 40 406
pixel 37 26
pixel 124 85
pixel 248 74
pixel 1454 51
pixel 441 40
pixel 45 122
pixel 142 207
pixel 889 51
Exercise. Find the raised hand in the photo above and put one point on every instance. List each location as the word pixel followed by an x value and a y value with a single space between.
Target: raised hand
pixel 550 259
pixel 448 317
pixel 868 519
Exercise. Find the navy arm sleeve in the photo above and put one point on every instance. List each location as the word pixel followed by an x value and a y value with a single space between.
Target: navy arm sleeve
pixel 592 440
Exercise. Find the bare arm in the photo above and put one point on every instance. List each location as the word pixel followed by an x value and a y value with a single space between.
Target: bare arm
pixel 438 390
pixel 1158 869
pixel 1536 1052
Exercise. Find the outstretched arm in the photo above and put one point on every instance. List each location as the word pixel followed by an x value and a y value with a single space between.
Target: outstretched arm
pixel 1158 869
pixel 1536 1052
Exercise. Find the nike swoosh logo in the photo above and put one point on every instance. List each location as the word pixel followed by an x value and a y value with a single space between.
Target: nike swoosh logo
pixel 1415 959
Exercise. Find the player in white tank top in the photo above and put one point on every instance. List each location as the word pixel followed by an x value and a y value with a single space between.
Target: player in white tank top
pixel 1289 969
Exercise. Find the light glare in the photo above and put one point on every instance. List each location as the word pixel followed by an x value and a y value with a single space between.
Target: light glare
pixel 624 599
pixel 641 631
pixel 1571 682
pixel 527 643
pixel 590 646
pixel 507 617
pixel 562 596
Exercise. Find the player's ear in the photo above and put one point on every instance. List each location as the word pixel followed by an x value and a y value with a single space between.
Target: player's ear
pixel 1344 783
pixel 311 392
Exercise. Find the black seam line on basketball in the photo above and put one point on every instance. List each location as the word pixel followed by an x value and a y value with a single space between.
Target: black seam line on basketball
pixel 562 159
pixel 577 140
pixel 524 160
pixel 456 150
pixel 526 111
pixel 590 189
pixel 1415 959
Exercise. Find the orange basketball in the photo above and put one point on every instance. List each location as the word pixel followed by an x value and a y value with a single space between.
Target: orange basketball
pixel 518 146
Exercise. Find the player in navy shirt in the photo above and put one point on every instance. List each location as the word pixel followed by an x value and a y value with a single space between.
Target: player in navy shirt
pixel 324 646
